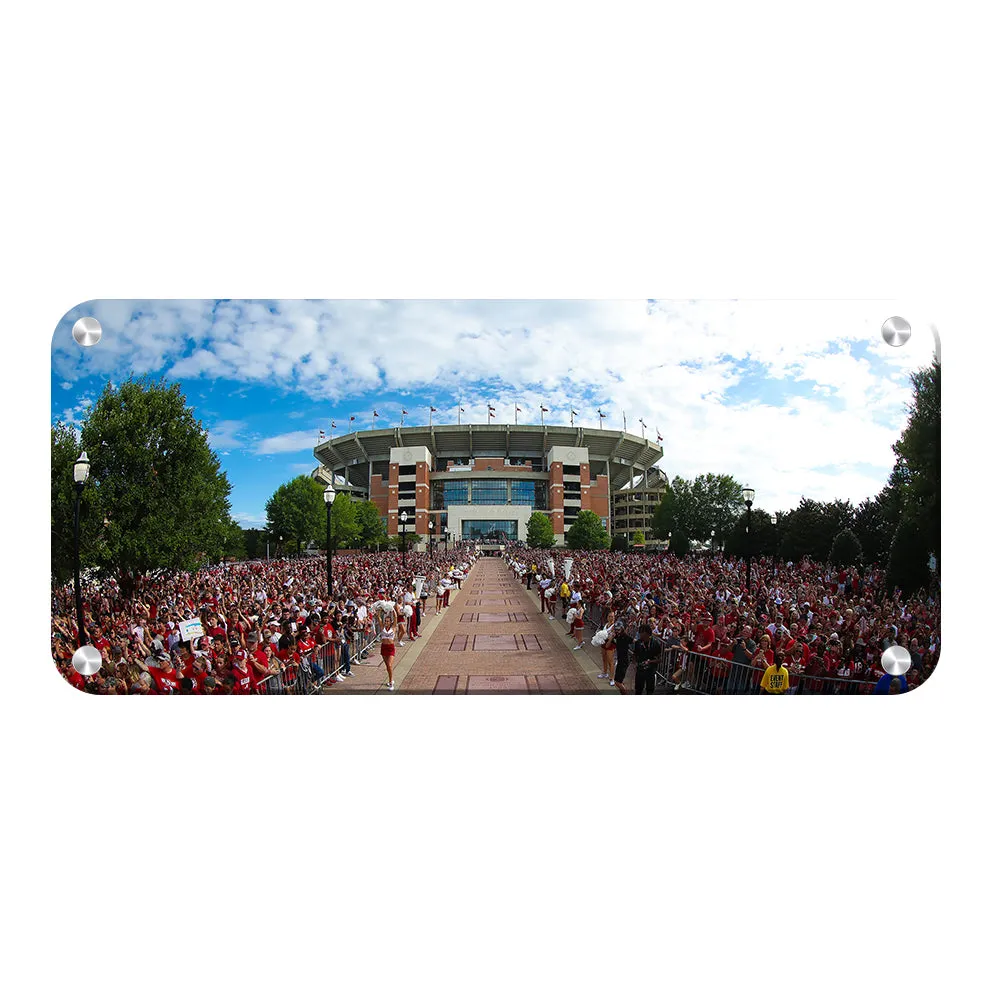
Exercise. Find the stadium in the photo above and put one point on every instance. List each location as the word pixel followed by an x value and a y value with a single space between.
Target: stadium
pixel 481 482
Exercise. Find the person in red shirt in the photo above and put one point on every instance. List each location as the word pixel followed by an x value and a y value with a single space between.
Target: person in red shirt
pixel 305 647
pixel 243 674
pixel 704 638
pixel 165 677
pixel 98 641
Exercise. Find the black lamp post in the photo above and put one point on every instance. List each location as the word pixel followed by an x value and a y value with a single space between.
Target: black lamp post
pixel 430 532
pixel 329 495
pixel 402 520
pixel 774 560
pixel 748 495
pixel 81 470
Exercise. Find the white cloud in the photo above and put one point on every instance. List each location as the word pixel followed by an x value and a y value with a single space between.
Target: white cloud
pixel 65 385
pixel 250 520
pixel 226 434
pixel 676 364
pixel 293 441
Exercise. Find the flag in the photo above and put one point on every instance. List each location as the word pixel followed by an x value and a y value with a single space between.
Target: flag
pixel 545 409
pixel 461 409
pixel 333 424
pixel 351 420
pixel 518 408
pixel 374 413
pixel 405 412
pixel 659 436
pixel 433 409
pixel 601 414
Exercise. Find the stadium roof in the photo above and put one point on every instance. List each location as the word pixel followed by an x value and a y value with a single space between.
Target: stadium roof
pixel 623 452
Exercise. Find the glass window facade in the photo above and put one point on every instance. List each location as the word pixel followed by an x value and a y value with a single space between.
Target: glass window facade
pixel 525 493
pixel 489 491
pixel 472 530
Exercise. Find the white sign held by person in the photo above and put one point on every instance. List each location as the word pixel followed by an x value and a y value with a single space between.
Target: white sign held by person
pixel 567 568
pixel 191 628
pixel 418 586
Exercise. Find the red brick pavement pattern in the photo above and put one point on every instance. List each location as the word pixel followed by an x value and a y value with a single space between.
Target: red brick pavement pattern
pixel 502 684
pixel 543 660
pixel 538 662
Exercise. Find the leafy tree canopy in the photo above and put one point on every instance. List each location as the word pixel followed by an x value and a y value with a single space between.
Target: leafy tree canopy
pixel 155 480
pixel 540 533
pixel 698 507
pixel 587 532
pixel 846 549
pixel 296 511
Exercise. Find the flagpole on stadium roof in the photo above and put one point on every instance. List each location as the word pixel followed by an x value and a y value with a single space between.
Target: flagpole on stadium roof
pixel 374 415
pixel 600 418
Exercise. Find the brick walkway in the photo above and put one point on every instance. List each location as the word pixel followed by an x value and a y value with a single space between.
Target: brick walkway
pixel 492 639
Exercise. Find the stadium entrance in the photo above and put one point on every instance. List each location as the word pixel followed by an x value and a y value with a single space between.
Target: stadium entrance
pixel 489 531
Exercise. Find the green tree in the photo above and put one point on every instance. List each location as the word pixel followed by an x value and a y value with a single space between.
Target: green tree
pixel 919 451
pixel 344 527
pixel 680 544
pixel 587 532
pixel 65 451
pixel 762 539
pixel 619 543
pixel 157 481
pixel 716 503
pixel 540 531
pixel 370 524
pixel 698 507
pixel 664 519
pixel 233 545
pixel 639 538
pixel 253 543
pixel 908 558
pixel 296 510
pixel 846 549
pixel 809 530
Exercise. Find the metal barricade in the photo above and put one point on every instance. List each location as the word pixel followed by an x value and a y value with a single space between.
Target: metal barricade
pixel 305 676
pixel 696 673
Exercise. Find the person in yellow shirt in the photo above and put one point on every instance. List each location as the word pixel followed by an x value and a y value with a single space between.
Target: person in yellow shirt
pixel 564 596
pixel 775 679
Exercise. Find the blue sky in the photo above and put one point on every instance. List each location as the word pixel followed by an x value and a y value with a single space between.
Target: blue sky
pixel 792 398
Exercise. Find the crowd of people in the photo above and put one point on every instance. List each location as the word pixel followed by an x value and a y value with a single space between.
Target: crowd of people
pixel 270 626
pixel 694 624
pixel 662 623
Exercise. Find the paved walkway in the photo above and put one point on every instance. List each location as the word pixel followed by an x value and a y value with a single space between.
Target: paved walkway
pixel 493 639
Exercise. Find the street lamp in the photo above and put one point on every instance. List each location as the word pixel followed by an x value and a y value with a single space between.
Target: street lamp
pixel 774 560
pixel 329 495
pixel 81 470
pixel 430 531
pixel 402 520
pixel 712 543
pixel 748 495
